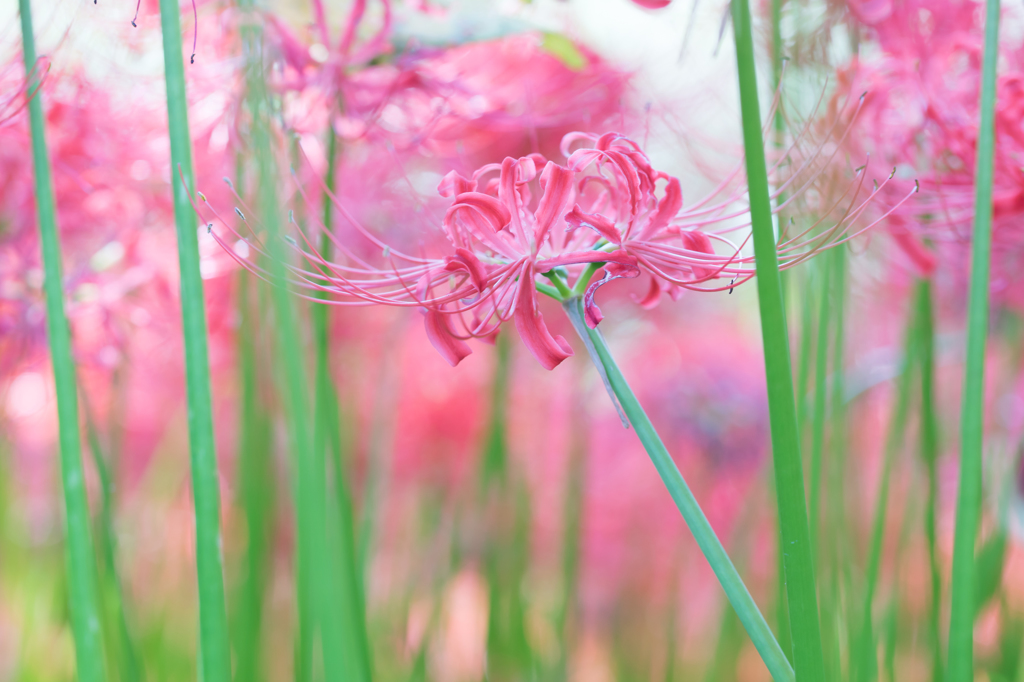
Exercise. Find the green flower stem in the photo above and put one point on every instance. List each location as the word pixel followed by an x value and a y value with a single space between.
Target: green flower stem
pixel 255 491
pixel 929 448
pixel 215 649
pixel 345 590
pixel 84 603
pixel 736 591
pixel 961 624
pixel 128 661
pixel 789 481
pixel 866 666
pixel 819 414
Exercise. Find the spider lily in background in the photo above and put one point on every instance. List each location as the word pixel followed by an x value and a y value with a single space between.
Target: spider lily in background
pixel 922 114
pixel 530 225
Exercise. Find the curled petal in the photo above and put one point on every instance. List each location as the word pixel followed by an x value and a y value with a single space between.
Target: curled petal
pixel 612 270
pixel 549 350
pixel 454 184
pixel 652 297
pixel 466 261
pixel 482 214
pixel 557 184
pixel 443 339
pixel 700 242
pixel 569 138
pixel 576 218
pixel 668 208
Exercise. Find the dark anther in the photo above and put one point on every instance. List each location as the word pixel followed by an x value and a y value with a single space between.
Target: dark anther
pixel 192 60
pixel 731 282
pixel 239 213
pixel 876 184
pixel 134 25
pixel 917 186
pixel 209 228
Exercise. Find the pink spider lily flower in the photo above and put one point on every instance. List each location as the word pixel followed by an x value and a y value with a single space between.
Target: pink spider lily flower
pixel 527 218
pixel 921 114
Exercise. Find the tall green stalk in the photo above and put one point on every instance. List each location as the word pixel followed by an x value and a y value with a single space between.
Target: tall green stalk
pixel 346 593
pixel 256 493
pixel 866 665
pixel 736 591
pixel 789 482
pixel 961 625
pixel 819 415
pixel 85 615
pixel 128 663
pixel 213 621
pixel 929 448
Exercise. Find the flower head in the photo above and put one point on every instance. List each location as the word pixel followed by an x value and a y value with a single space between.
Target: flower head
pixel 529 225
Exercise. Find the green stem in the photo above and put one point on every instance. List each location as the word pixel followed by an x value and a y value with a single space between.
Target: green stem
pixel 345 591
pixel 85 616
pixel 819 415
pixel 736 591
pixel 129 669
pixel 213 622
pixel 867 664
pixel 929 447
pixel 789 480
pixel 961 625
pixel 256 492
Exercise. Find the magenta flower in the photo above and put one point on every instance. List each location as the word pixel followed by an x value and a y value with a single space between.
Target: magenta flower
pixel 527 218
pixel 921 114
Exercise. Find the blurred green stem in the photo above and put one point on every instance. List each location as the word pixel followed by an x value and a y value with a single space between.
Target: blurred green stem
pixel 747 610
pixel 866 666
pixel 213 622
pixel 929 448
pixel 819 415
pixel 256 491
pixel 961 626
pixel 789 480
pixel 345 590
pixel 129 669
pixel 84 604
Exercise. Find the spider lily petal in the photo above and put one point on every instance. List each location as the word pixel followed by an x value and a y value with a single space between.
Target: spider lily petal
pixel 549 350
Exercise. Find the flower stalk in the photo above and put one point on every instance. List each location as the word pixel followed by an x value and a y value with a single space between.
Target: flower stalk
pixel 84 603
pixel 735 589
pixel 215 654
pixel 960 666
pixel 789 480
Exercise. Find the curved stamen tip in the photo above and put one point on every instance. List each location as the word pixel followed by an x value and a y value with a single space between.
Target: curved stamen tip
pixel 239 212
pixel 893 174
pixel 228 180
pixel 201 195
pixel 134 25
pixel 209 228
pixel 192 60
pixel 863 95
pixel 731 282
pixel 874 181
pixel 291 240
pixel 291 216
pixel 387 251
pixel 860 168
pixel 917 186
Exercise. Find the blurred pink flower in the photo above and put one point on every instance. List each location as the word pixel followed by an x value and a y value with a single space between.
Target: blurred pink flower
pixel 921 115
